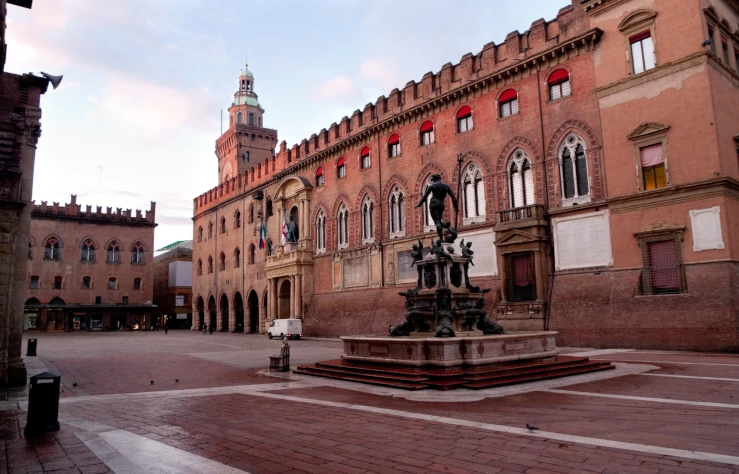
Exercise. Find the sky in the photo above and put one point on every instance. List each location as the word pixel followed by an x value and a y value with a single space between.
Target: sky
pixel 139 109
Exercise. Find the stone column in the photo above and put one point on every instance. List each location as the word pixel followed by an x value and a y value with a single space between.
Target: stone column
pixel 232 319
pixel 308 223
pixel 196 323
pixel 292 296
pixel 219 319
pixel 262 316
pixel 298 296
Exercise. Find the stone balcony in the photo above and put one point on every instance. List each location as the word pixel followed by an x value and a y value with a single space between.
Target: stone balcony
pixel 520 217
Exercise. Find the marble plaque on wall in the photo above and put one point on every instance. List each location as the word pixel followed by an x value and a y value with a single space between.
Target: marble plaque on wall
pixel 706 227
pixel 356 272
pixel 582 241
pixel 486 258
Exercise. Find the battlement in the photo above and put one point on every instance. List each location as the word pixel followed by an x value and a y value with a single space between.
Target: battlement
pixel 495 66
pixel 74 211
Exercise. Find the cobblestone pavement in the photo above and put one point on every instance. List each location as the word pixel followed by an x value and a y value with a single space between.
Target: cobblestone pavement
pixel 658 412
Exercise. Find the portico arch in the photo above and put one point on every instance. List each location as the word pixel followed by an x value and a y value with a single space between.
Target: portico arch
pixel 224 313
pixel 239 312
pixel 211 312
pixel 200 306
pixel 283 310
pixel 253 304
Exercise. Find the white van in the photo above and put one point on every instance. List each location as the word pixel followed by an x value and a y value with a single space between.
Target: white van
pixel 291 328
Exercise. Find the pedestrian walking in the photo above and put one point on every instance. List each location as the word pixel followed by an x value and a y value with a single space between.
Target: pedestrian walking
pixel 205 329
pixel 166 327
pixel 210 329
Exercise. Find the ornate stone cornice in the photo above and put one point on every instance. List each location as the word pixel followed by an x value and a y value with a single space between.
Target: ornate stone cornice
pixel 717 187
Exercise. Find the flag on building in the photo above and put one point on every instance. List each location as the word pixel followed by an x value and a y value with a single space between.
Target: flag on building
pixel 262 235
pixel 284 231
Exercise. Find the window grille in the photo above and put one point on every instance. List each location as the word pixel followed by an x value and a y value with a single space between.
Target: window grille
pixel 520 277
pixel 473 195
pixel 508 103
pixel 341 168
pixel 662 271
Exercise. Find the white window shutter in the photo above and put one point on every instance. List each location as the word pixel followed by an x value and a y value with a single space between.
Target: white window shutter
pixel 401 219
pixel 469 198
pixel 480 197
pixel 517 191
pixel 528 177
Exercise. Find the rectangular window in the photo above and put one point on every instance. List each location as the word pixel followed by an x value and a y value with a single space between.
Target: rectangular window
pixel 319 181
pixel 662 270
pixel 710 38
pixel 464 124
pixel 520 280
pixel 57 283
pixel 34 283
pixel 98 300
pixel 653 167
pixel 725 49
pixel 86 283
pixel 342 171
pixel 642 52
pixel 365 161
pixel 560 90
pixel 427 138
pixel 394 150
pixel 509 108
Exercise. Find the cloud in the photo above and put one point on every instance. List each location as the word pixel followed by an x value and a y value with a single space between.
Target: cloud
pixel 380 74
pixel 340 89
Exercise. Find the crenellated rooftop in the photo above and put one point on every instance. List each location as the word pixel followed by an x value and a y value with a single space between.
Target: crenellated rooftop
pixel 74 211
pixel 495 66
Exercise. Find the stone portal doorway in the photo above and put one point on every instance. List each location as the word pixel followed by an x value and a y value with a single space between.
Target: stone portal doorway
pixel 224 313
pixel 283 311
pixel 253 303
pixel 239 310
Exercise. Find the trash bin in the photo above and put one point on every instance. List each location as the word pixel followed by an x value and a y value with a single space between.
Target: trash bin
pixel 31 348
pixel 43 404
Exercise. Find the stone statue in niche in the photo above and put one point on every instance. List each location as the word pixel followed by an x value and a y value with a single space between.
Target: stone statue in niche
pixel 468 254
pixel 439 191
pixel 292 230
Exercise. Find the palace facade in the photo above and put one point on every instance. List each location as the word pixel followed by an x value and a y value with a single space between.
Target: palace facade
pixel 89 269
pixel 598 181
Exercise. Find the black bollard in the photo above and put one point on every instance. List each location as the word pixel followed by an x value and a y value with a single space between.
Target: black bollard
pixel 31 348
pixel 43 404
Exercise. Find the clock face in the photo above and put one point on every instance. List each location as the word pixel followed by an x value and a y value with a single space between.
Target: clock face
pixel 227 171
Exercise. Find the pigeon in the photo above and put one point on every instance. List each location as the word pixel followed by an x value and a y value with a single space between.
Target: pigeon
pixel 74 384
pixel 151 382
pixel 531 428
pixel 176 380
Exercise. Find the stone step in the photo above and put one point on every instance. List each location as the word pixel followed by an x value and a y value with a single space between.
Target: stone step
pixel 307 370
pixel 377 368
pixel 516 379
pixel 523 369
pixel 324 367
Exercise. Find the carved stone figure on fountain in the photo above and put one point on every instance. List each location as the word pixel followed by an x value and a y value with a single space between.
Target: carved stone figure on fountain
pixel 292 231
pixel 468 253
pixel 406 327
pixel 445 327
pixel 483 323
pixel 439 191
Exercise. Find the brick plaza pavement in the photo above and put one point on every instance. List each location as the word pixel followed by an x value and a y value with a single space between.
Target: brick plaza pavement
pixel 658 412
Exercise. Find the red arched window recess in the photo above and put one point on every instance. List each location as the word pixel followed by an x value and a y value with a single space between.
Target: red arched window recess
pixel 464 119
pixel 393 145
pixel 427 133
pixel 559 84
pixel 364 158
pixel 319 176
pixel 341 168
pixel 508 102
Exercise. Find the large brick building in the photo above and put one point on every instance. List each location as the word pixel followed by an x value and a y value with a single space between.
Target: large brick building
pixel 599 184
pixel 89 269
pixel 173 285
pixel 20 129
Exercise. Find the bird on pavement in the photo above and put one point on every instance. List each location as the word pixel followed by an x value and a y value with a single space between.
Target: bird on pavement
pixel 74 384
pixel 176 380
pixel 151 382
pixel 531 428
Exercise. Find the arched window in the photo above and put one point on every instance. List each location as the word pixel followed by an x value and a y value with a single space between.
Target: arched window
pixel 86 283
pixel 428 221
pixel 252 254
pixel 137 253
pixel 321 233
pixel 57 283
pixel 464 119
pixel 200 267
pixel 269 208
pixel 520 180
pixel 87 251
pixel 343 218
pixel 368 220
pixel 251 118
pixel 237 258
pixel 393 145
pixel 210 264
pixel 240 118
pixel 573 171
pixel 210 230
pixel 319 176
pixel 137 284
pixel 397 213
pixel 364 158
pixel 200 234
pixel 474 195
pixel 114 252
pixel 508 103
pixel 52 249
pixel 559 84
pixel 34 282
pixel 251 213
pixel 237 220
pixel 247 157
pixel 223 225
pixel 112 283
pixel 427 133
pixel 341 168
pixel 222 266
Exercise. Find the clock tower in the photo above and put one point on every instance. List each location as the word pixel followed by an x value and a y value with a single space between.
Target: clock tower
pixel 246 143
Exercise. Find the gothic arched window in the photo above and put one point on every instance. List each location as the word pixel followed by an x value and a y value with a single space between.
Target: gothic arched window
pixel 87 251
pixel 200 267
pixel 321 233
pixel 474 195
pixel 223 225
pixel 237 258
pixel 200 234
pixel 114 252
pixel 368 221
pixel 237 220
pixel 210 264
pixel 51 249
pixel 573 171
pixel 240 118
pixel 210 230
pixel 223 262
pixel 397 213
pixel 251 118
pixel 520 180
pixel 251 213
pixel 252 254
pixel 137 253
pixel 343 218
